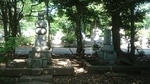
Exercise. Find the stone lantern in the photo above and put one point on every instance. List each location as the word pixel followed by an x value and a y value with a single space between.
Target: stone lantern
pixel 39 56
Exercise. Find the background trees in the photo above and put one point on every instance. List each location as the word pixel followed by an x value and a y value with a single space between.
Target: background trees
pixel 124 15
pixel 79 13
pixel 76 16
pixel 11 14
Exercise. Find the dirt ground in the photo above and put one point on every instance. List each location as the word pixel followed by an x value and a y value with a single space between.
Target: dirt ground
pixel 82 77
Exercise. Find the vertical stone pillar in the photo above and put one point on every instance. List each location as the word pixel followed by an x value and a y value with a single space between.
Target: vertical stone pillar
pixel 107 37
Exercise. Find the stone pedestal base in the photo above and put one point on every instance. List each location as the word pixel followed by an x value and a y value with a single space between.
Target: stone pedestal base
pixel 107 53
pixel 36 71
pixel 39 57
pixel 37 63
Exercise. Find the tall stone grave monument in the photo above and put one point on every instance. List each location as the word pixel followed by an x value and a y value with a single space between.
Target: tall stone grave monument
pixel 39 56
pixel 107 52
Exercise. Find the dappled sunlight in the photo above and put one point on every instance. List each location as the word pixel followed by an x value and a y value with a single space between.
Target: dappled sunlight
pixel 61 63
pixel 57 41
pixel 78 70
pixel 19 60
pixel 2 65
pixel 57 37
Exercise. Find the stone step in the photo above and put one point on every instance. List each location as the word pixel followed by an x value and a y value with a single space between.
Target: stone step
pixel 11 72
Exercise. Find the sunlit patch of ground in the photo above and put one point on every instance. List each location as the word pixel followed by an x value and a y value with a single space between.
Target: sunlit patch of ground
pixel 61 63
pixel 2 65
pixel 78 69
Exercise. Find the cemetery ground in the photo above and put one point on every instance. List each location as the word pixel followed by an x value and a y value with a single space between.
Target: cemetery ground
pixel 81 75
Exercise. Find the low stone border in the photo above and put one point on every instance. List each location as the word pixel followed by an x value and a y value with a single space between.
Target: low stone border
pixel 57 69
pixel 16 72
pixel 108 68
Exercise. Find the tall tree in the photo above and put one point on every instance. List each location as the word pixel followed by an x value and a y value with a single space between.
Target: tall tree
pixel 112 8
pixel 135 16
pixel 76 11
pixel 11 12
pixel 119 10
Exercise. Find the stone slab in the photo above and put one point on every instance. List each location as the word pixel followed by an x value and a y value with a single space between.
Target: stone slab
pixel 39 54
pixel 11 72
pixel 127 69
pixel 107 48
pixel 36 71
pixel 33 82
pixel 59 71
pixel 29 78
pixel 107 68
pixel 39 48
pixel 109 74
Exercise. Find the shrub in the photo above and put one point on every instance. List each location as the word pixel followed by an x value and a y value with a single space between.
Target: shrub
pixel 7 49
pixel 68 39
pixel 24 41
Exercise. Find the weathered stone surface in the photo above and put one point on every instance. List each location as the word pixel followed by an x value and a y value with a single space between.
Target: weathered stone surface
pixel 39 56
pixel 34 82
pixel 107 48
pixel 43 78
pixel 39 59
pixel 44 62
pixel 12 72
pixel 40 40
pixel 36 63
pixel 107 68
pixel 36 71
pixel 107 37
pixel 59 71
pixel 107 51
pixel 39 48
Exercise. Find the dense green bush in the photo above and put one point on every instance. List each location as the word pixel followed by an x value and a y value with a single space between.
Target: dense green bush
pixel 69 39
pixel 7 49
pixel 24 41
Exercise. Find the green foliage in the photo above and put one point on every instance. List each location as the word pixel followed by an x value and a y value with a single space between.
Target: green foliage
pixel 2 59
pixel 8 45
pixel 141 53
pixel 69 39
pixel 24 41
pixel 7 48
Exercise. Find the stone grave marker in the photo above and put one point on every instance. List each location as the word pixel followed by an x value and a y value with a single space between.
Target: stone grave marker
pixel 107 51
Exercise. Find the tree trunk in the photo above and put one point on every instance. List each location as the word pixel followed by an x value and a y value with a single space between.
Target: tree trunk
pixel 132 53
pixel 115 32
pixel 5 25
pixel 48 20
pixel 80 50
